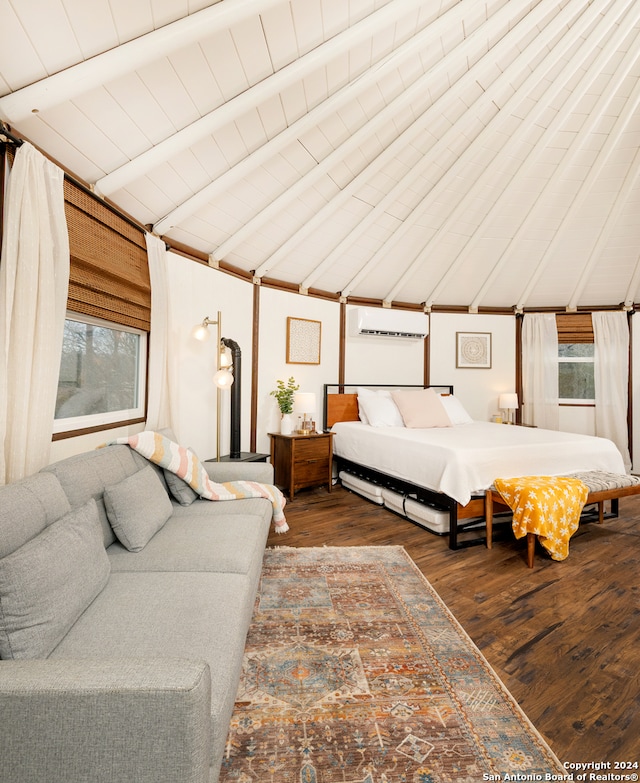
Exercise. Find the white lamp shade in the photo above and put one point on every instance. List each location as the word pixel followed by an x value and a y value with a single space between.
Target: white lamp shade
pixel 223 379
pixel 508 401
pixel 200 332
pixel 304 402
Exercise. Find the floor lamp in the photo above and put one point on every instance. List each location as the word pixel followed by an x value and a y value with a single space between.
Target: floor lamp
pixel 223 377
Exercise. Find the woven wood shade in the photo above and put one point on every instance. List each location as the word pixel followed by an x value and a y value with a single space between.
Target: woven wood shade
pixel 574 328
pixel 109 275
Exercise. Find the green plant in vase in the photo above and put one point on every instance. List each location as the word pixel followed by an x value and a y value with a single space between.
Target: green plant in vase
pixel 284 397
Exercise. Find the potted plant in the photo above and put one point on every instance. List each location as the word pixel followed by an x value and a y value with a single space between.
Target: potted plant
pixel 284 397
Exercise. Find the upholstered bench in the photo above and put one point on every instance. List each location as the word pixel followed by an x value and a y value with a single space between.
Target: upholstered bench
pixel 602 486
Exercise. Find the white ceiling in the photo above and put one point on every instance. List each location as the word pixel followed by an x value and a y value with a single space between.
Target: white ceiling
pixel 436 152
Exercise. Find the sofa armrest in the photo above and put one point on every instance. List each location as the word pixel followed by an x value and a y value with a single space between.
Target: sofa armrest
pixel 240 471
pixel 131 721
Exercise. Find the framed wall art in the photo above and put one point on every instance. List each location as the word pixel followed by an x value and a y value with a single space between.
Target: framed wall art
pixel 473 350
pixel 303 341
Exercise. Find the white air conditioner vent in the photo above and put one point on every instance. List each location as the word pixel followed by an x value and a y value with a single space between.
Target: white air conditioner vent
pixel 384 322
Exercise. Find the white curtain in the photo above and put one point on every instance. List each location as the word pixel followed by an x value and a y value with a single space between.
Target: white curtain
pixel 540 370
pixel 34 280
pixel 611 340
pixel 161 379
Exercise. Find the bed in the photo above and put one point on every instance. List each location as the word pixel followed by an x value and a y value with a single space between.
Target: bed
pixel 446 470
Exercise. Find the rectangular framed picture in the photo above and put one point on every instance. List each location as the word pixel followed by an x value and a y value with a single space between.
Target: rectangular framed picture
pixel 303 341
pixel 473 350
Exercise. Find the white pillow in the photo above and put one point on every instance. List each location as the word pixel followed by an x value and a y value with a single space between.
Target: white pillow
pixel 362 395
pixel 380 410
pixel 455 410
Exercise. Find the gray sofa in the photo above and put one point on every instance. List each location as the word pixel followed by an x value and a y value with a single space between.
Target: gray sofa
pixel 121 665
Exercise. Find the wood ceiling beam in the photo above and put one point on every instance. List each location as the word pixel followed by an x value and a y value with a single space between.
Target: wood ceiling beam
pixel 530 52
pixel 630 181
pixel 311 119
pixel 634 285
pixel 124 59
pixel 253 96
pixel 546 38
pixel 528 167
pixel 631 107
pixel 487 98
pixel 469 49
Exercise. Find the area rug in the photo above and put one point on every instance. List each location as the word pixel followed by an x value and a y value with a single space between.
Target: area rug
pixel 355 671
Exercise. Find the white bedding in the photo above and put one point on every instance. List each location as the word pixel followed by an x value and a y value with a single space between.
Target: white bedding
pixel 464 460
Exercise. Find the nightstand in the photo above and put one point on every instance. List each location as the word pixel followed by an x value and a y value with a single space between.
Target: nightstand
pixel 301 461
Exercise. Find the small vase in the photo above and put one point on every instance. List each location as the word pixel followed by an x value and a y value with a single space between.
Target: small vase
pixel 286 424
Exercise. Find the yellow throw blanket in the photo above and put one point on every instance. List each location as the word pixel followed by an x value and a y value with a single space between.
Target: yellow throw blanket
pixel 549 506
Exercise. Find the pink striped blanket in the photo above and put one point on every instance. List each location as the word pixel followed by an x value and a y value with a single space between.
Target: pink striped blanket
pixel 186 465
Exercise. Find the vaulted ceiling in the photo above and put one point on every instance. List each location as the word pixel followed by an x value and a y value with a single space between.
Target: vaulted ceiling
pixel 431 152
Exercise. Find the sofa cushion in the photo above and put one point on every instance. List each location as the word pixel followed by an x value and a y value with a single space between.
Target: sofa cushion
pixel 86 475
pixel 179 489
pixel 137 507
pixel 200 541
pixel 47 583
pixel 179 615
pixel 27 507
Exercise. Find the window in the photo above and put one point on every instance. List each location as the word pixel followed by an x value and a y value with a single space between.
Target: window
pixel 102 374
pixel 575 373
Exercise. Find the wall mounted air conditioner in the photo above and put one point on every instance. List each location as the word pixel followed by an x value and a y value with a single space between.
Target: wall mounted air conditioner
pixel 384 322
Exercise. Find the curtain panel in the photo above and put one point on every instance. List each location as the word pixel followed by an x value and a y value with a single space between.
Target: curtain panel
pixel 540 405
pixel 162 353
pixel 34 279
pixel 611 367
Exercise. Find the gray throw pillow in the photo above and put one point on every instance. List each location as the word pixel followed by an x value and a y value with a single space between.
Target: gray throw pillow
pixel 137 508
pixel 47 583
pixel 179 489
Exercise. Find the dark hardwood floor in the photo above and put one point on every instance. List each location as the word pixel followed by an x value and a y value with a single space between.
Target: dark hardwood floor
pixel 564 637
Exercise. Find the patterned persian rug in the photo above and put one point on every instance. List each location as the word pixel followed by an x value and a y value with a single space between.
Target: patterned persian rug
pixel 356 672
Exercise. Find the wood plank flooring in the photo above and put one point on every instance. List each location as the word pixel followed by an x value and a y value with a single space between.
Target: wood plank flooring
pixel 563 637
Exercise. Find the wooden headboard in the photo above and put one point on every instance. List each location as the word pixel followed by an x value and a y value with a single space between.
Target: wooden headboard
pixel 341 401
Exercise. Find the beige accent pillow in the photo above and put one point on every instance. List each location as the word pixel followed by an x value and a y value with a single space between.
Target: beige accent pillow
pixel 421 408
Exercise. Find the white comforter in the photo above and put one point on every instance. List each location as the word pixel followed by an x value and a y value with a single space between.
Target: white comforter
pixel 464 460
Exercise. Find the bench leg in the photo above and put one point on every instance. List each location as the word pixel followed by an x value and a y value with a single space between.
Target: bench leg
pixel 488 515
pixel 531 548
pixel 601 512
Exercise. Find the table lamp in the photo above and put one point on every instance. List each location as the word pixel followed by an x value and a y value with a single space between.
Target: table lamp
pixel 304 403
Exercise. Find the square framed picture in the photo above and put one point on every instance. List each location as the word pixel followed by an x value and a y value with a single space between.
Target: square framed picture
pixel 473 350
pixel 303 341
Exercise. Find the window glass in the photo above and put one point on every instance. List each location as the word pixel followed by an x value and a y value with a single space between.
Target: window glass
pixel 102 374
pixel 575 372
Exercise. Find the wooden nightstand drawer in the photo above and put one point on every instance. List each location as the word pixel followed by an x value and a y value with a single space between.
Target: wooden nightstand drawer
pixel 311 471
pixel 301 461
pixel 312 448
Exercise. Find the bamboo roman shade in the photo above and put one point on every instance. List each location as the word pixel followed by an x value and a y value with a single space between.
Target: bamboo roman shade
pixel 574 328
pixel 109 276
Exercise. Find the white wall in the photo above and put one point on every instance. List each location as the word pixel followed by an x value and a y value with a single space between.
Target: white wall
pixel 275 307
pixel 198 291
pixel 477 389
pixel 61 449
pixel 370 359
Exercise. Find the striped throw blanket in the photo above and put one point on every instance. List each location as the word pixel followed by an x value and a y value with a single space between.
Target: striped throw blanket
pixel 186 465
